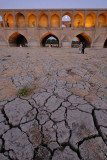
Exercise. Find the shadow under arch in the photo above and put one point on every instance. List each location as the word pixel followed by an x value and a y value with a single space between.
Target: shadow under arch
pixel 49 39
pixel 105 44
pixel 17 39
pixel 83 37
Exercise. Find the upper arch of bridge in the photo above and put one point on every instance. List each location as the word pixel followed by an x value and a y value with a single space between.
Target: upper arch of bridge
pixel 53 18
pixel 31 19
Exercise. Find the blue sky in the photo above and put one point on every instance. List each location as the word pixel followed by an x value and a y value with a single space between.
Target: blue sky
pixel 35 4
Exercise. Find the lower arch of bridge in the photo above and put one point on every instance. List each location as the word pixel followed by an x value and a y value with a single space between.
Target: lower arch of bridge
pixel 83 37
pixel 105 44
pixel 17 40
pixel 49 40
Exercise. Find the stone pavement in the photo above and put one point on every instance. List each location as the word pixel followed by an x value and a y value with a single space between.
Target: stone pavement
pixel 65 117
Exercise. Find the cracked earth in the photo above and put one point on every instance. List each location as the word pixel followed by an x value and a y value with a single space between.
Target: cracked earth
pixel 65 116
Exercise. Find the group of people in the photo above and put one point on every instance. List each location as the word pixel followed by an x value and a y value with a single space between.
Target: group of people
pixel 50 45
pixel 82 47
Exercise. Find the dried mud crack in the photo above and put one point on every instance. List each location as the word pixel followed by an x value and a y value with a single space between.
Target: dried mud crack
pixel 65 117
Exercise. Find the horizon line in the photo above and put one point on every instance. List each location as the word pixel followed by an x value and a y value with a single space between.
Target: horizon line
pixel 49 8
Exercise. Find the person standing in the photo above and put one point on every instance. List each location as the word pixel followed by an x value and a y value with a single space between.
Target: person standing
pixel 7 23
pixel 80 48
pixel 83 47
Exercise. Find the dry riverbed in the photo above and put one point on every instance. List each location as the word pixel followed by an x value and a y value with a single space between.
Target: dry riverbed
pixel 64 116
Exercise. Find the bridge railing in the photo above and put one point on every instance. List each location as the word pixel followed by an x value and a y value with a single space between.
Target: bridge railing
pixel 41 27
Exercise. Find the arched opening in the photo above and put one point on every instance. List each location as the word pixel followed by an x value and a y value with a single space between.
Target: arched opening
pixel 78 20
pixel 43 20
pixel 20 20
pixel 17 40
pixel 31 20
pixel 1 21
pixel 105 44
pixel 63 26
pixel 82 37
pixel 102 20
pixel 55 20
pixel 49 40
pixel 9 21
pixel 75 42
pixel 66 20
pixel 90 20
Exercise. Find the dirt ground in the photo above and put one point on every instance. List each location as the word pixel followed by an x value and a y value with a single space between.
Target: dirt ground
pixel 65 115
pixel 24 66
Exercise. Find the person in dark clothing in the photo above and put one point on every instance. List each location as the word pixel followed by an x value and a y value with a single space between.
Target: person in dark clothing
pixel 7 23
pixel 83 47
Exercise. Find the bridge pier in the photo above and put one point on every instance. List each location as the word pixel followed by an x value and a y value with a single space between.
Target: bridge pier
pixel 33 44
pixel 66 44
pixel 97 45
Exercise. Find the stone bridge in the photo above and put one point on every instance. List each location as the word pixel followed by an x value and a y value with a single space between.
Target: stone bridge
pixel 34 26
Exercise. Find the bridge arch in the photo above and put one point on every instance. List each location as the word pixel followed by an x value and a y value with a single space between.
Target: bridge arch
pixel 31 20
pixel 49 39
pixel 78 20
pixel 43 20
pixel 102 20
pixel 90 20
pixel 1 21
pixel 55 20
pixel 17 39
pixel 20 20
pixel 66 19
pixel 9 21
pixel 83 37
pixel 105 44
pixel 63 25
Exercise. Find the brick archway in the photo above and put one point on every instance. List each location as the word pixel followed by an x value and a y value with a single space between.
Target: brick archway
pixel 31 20
pixel 9 21
pixel 105 44
pixel 83 37
pixel 46 36
pixel 17 39
pixel 20 20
